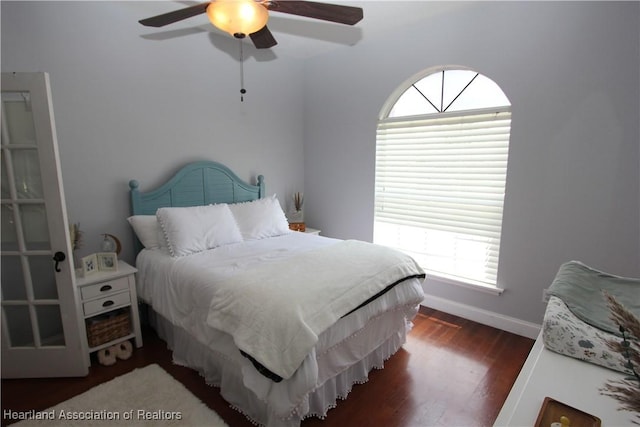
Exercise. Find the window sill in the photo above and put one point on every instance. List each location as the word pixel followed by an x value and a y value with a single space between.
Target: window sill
pixel 477 286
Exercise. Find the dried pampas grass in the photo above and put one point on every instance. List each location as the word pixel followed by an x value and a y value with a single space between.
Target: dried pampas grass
pixel 627 390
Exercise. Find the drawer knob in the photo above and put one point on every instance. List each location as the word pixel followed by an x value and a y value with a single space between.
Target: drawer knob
pixel 107 303
pixel 105 288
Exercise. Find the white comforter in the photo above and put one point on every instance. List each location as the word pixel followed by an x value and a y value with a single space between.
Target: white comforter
pixel 276 311
pixel 249 290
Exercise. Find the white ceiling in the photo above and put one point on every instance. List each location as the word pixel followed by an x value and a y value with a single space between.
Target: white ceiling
pixel 301 37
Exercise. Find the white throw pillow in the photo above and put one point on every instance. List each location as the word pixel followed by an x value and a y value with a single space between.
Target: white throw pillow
pixel 260 218
pixel 147 229
pixel 194 229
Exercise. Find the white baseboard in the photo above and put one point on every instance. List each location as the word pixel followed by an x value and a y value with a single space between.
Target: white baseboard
pixel 490 318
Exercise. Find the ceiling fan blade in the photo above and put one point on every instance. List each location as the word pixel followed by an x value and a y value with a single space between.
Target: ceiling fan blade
pixel 263 39
pixel 175 16
pixel 327 12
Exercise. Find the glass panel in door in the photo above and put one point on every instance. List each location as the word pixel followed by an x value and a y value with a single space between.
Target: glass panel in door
pixel 40 320
pixel 30 306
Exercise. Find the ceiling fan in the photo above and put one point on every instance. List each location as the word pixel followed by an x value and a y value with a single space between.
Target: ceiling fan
pixel 249 17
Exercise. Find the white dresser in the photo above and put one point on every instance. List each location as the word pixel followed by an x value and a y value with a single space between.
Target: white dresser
pixel 565 379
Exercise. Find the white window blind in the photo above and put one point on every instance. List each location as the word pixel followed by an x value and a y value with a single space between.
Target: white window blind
pixel 440 183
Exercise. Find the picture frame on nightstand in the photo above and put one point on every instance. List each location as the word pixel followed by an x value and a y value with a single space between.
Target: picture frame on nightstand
pixel 107 261
pixel 89 265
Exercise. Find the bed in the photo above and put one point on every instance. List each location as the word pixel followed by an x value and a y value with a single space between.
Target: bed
pixel 284 323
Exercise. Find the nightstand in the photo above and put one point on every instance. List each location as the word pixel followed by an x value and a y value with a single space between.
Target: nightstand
pixel 109 306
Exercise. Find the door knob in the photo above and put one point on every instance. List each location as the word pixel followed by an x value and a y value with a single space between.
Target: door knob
pixel 58 257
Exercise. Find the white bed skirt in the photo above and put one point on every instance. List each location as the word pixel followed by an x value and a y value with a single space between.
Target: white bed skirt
pixel 338 368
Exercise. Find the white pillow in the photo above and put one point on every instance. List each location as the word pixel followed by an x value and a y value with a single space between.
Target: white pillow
pixel 260 218
pixel 147 229
pixel 198 228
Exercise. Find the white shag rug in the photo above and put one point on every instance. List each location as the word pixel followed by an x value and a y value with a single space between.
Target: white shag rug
pixel 147 396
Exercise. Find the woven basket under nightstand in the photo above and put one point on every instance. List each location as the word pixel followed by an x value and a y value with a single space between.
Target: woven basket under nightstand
pixel 103 329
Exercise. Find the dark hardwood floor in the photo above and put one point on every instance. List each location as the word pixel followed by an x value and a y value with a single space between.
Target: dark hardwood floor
pixel 451 372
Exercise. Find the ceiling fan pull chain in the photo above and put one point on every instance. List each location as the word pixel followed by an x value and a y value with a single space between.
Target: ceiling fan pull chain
pixel 242 89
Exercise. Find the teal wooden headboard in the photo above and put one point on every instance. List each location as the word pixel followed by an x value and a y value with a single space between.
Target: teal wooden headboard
pixel 195 184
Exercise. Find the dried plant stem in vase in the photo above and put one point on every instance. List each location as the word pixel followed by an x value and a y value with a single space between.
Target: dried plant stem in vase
pixel 75 235
pixel 297 216
pixel 627 390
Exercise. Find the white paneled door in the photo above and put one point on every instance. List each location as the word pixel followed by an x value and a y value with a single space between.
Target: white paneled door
pixel 40 326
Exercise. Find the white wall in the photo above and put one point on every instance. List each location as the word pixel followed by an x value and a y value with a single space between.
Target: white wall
pixel 572 73
pixel 135 102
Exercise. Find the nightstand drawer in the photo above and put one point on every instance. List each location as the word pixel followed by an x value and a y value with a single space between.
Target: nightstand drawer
pixel 104 288
pixel 107 303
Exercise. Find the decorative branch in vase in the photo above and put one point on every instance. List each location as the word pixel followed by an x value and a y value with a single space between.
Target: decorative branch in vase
pixel 75 235
pixel 296 218
pixel 627 390
pixel 298 199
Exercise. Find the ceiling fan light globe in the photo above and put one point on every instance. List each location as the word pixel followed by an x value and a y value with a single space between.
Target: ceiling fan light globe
pixel 237 16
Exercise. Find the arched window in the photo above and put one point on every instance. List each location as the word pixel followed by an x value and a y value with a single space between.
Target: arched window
pixel 441 164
